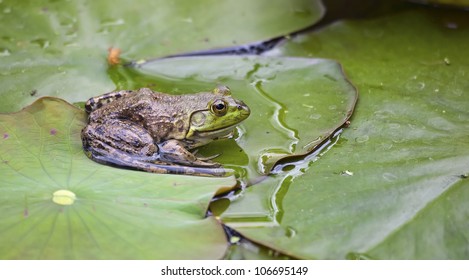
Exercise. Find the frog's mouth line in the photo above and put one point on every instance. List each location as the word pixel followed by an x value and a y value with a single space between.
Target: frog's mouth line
pixel 219 133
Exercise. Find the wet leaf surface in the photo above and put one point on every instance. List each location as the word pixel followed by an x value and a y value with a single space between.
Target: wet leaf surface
pixel 394 184
pixel 55 203
pixel 59 48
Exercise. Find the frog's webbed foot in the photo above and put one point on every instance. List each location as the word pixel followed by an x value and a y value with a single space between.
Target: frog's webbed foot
pixel 173 151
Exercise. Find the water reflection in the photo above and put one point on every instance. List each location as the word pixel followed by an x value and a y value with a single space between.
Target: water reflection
pixel 266 199
pixel 287 135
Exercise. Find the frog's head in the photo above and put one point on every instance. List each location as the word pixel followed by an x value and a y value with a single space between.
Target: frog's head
pixel 218 119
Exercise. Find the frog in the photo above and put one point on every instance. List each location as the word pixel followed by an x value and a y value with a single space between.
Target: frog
pixel 159 132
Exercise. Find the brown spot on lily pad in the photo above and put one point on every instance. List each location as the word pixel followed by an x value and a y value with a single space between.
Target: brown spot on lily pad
pixel 6 135
pixel 113 56
pixel 53 131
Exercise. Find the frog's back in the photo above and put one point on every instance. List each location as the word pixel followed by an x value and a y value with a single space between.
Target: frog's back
pixel 99 101
pixel 172 101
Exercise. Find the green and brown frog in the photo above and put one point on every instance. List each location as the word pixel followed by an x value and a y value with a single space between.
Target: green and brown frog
pixel 154 132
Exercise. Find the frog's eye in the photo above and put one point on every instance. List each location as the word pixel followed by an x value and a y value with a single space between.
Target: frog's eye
pixel 219 108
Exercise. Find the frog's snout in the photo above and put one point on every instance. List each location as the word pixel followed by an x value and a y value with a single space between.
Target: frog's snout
pixel 243 108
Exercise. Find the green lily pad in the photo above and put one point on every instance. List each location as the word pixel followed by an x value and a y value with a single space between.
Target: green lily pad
pixel 59 48
pixel 55 203
pixel 296 103
pixel 394 186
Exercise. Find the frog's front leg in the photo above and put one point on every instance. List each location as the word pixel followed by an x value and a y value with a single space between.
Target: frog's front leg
pixel 174 151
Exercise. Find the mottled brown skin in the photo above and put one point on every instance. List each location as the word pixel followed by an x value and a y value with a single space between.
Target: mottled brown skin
pixel 153 131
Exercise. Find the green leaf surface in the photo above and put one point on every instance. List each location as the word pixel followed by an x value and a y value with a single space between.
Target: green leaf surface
pixel 394 185
pixel 296 103
pixel 59 48
pixel 115 214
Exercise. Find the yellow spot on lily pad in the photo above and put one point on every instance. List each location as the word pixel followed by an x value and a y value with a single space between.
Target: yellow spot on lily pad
pixel 64 197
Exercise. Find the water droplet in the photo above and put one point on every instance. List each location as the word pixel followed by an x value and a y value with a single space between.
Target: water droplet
pixel 414 85
pixel 71 34
pixel 333 107
pixel 7 10
pixel 43 43
pixel 362 139
pixel 457 92
pixel 394 125
pixel 64 197
pixel 103 30
pixel 346 173
pixel 315 116
pixel 398 139
pixel 290 232
pixel 386 146
pixel 4 52
pixel 112 22
pixel 389 177
pixel 67 24
pixel 70 44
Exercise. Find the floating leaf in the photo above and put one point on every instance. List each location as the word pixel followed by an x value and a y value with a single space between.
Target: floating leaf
pixel 55 203
pixel 394 185
pixel 59 48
